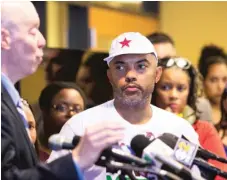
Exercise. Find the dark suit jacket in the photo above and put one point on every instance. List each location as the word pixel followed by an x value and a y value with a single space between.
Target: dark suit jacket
pixel 19 160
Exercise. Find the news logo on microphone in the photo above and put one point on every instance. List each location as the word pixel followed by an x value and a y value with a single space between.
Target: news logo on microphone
pixel 185 151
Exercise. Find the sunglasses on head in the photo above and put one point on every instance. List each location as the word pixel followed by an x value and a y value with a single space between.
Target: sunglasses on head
pixel 178 61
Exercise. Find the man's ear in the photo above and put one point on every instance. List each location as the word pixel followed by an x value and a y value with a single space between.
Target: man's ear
pixel 109 76
pixel 158 73
pixel 5 39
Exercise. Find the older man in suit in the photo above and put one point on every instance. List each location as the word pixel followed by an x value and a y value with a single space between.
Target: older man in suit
pixel 21 54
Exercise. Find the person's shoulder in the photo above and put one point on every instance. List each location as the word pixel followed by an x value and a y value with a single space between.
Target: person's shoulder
pixel 170 118
pixel 92 114
pixel 166 115
pixel 179 125
pixel 203 103
pixel 203 100
pixel 204 126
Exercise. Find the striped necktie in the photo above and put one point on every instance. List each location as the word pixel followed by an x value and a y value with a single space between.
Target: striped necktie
pixel 23 116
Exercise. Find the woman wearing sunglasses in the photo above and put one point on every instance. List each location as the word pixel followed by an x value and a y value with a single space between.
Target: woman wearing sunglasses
pixel 177 92
pixel 59 101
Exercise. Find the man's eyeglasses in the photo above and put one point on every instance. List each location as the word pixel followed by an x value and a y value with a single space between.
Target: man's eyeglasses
pixel 178 61
pixel 66 108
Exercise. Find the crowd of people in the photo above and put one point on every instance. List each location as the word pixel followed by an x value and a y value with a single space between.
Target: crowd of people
pixel 142 87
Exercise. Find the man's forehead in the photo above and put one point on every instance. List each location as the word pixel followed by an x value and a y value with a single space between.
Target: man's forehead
pixel 128 58
pixel 8 8
pixel 16 12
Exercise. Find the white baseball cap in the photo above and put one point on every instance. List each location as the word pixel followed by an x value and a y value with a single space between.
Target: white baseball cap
pixel 130 43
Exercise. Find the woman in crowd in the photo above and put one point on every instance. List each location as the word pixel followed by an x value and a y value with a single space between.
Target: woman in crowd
pixel 213 67
pixel 222 125
pixel 31 123
pixel 177 92
pixel 58 101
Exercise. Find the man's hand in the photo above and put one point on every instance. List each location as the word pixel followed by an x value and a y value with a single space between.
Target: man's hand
pixel 96 138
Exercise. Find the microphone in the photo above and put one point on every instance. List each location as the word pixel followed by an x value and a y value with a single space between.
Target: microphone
pixel 171 140
pixel 189 153
pixel 58 142
pixel 151 151
pixel 209 167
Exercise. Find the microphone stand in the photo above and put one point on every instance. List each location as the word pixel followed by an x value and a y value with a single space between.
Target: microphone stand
pixel 207 170
pixel 127 169
pixel 128 173
pixel 113 169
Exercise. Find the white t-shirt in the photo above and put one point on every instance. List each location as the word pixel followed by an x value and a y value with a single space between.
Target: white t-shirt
pixel 161 122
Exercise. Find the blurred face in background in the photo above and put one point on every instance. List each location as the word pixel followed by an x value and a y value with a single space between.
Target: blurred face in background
pixel 225 105
pixel 215 81
pixel 84 80
pixel 222 132
pixel 51 70
pixel 31 122
pixel 165 50
pixel 224 102
pixel 172 91
pixel 65 104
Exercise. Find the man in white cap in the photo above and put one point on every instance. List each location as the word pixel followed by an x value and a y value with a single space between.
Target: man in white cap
pixel 132 72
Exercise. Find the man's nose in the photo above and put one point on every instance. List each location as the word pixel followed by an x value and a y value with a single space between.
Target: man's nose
pixel 41 41
pixel 131 76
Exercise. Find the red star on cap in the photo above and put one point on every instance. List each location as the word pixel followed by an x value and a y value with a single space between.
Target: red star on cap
pixel 125 43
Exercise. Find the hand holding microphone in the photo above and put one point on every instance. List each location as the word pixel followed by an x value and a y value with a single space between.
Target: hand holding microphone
pixel 96 138
pixel 114 152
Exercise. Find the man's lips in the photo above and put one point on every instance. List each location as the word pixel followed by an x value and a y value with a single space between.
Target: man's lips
pixel 131 88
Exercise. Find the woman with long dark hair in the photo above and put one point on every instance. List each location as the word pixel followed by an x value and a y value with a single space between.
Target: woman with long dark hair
pixel 222 125
pixel 213 67
pixel 177 92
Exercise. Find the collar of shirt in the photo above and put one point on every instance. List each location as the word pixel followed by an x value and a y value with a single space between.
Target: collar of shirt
pixel 6 82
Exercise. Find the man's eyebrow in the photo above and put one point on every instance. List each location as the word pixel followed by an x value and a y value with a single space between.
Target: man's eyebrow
pixel 143 60
pixel 119 62
pixel 139 61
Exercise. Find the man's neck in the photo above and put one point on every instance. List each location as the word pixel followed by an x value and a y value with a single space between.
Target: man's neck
pixel 135 115
pixel 13 78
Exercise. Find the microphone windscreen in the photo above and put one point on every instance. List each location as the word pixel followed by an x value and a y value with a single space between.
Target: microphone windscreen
pixel 138 144
pixel 76 140
pixel 56 141
pixel 169 139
